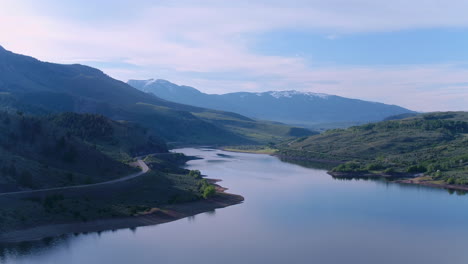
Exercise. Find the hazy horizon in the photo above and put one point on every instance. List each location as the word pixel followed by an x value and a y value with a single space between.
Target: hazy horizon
pixel 408 54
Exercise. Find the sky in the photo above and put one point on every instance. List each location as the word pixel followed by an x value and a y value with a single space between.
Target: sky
pixel 409 53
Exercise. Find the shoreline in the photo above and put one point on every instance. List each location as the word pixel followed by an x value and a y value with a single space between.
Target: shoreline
pixel 369 175
pixel 154 217
pixel 248 151
pixel 325 161
pixel 422 182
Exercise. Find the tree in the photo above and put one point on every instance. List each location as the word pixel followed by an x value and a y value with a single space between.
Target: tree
pixel 70 154
pixel 70 176
pixel 26 179
pixel 12 170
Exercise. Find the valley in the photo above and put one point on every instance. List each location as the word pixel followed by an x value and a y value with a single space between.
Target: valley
pixel 206 132
pixel 82 152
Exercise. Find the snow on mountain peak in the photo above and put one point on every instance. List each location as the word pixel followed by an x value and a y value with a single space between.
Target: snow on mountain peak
pixel 160 81
pixel 291 93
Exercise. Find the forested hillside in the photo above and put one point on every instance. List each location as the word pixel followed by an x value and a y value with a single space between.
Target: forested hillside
pixel 68 149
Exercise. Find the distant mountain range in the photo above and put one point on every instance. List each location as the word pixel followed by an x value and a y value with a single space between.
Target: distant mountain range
pixel 292 107
pixel 35 87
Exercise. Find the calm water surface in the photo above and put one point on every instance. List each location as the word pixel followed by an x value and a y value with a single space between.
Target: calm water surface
pixel 291 214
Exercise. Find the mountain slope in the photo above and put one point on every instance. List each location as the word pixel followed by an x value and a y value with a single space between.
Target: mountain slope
pixel 37 87
pixel 434 143
pixel 291 107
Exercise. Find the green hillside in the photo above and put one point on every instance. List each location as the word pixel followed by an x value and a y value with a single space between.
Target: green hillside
pixel 67 149
pixel 435 144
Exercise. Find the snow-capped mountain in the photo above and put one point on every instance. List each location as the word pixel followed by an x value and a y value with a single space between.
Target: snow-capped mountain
pixel 292 107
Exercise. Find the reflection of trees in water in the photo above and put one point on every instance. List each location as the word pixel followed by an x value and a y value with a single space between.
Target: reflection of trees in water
pixel 23 249
pixel 356 178
pixel 383 181
pixel 458 192
pixel 310 164
pixel 211 213
pixel 8 251
pixel 224 155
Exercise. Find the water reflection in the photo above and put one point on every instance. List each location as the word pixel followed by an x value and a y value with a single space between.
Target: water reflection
pixel 225 155
pixel 311 164
pixel 216 161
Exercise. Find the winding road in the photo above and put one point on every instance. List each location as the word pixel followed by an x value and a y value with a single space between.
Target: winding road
pixel 141 164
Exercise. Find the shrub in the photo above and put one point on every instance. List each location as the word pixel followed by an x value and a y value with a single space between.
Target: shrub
pixel 195 174
pixel 374 166
pixel 450 180
pixel 416 168
pixel 209 191
pixel 51 200
pixel 349 167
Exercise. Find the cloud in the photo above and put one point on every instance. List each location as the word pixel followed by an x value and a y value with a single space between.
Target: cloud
pixel 207 44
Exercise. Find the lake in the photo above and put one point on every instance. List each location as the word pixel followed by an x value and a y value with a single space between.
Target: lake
pixel 291 214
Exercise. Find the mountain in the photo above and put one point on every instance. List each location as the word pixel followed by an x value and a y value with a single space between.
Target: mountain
pixel 292 107
pixel 435 144
pixel 36 87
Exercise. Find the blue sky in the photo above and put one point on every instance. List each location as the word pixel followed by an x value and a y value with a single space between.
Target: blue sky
pixel 409 53
pixel 423 46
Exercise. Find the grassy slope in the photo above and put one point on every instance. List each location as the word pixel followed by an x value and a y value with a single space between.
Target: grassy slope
pixel 435 144
pixel 254 130
pixel 67 149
